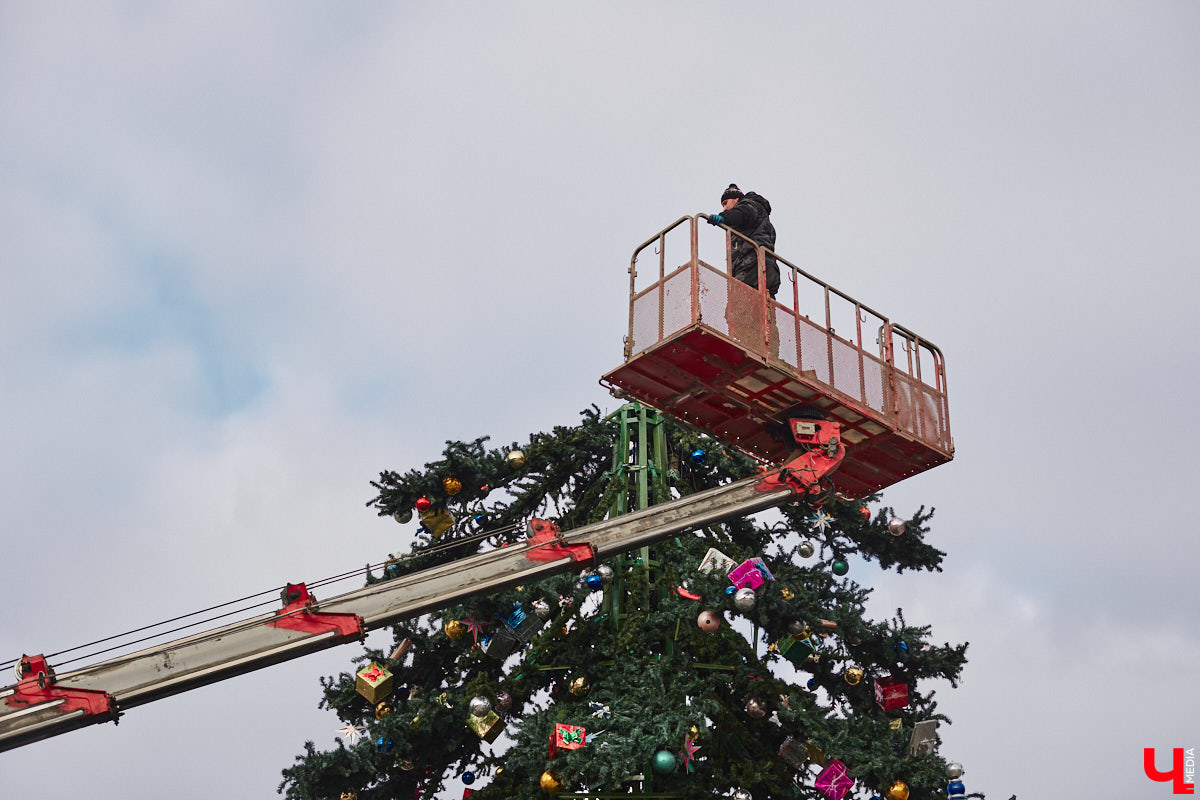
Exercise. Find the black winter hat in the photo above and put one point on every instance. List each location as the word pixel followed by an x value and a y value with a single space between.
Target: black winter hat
pixel 732 193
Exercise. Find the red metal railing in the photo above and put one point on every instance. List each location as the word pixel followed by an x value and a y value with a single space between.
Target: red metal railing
pixel 853 352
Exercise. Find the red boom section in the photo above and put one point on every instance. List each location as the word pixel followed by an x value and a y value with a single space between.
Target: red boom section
pixel 36 689
pixel 731 360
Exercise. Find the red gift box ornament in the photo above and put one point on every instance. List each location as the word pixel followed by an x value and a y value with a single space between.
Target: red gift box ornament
pixel 891 693
pixel 569 737
pixel 834 781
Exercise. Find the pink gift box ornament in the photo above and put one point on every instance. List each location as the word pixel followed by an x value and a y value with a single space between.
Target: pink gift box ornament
pixel 834 781
pixel 750 573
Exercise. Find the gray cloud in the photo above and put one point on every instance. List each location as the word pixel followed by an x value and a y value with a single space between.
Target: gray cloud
pixel 251 256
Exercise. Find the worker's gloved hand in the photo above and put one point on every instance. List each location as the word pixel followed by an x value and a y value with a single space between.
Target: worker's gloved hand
pixel 716 219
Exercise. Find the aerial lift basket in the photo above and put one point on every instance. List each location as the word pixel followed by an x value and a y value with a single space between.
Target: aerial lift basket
pixel 736 363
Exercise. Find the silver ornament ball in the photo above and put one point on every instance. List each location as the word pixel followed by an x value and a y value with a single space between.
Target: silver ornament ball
pixel 542 609
pixel 745 599
pixel 741 794
pixel 403 517
pixel 606 573
pixel 807 549
pixel 755 708
pixel 797 627
pixel 480 706
pixel 954 770
pixel 897 526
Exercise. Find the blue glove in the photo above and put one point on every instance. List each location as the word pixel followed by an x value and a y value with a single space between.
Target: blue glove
pixel 716 219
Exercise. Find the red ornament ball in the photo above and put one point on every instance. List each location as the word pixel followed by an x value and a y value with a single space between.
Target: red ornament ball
pixel 423 503
pixel 866 512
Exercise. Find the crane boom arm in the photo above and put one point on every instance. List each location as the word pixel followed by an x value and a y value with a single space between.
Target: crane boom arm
pixel 43 704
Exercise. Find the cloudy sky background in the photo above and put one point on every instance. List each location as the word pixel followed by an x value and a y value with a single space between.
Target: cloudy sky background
pixel 252 254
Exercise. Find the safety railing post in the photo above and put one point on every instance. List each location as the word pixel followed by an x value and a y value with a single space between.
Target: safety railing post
pixel 632 294
pixel 796 322
pixel 764 301
pixel 662 287
pixel 694 268
pixel 829 339
pixel 862 367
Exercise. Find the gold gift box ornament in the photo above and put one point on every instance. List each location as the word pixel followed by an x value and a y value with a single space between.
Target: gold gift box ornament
pixel 487 727
pixel 374 683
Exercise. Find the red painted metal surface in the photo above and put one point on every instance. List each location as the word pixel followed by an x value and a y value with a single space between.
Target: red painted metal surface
pixel 299 614
pixel 37 688
pixel 545 544
pixel 735 363
pixel 817 452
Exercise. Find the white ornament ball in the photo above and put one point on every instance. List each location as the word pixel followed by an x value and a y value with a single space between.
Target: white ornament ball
pixel 897 526
pixel 745 599
pixel 741 794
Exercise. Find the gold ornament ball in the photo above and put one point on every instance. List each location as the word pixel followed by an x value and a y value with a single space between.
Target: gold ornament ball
pixel 349 796
pixel 455 629
pixel 515 458
pixel 550 783
pixel 580 686
pixel 898 791
pixel 452 485
pixel 382 709
pixel 786 593
pixel 854 675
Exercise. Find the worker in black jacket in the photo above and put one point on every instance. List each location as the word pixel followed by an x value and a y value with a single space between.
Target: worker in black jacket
pixel 750 215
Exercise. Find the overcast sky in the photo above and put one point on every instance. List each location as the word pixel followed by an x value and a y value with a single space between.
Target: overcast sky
pixel 253 253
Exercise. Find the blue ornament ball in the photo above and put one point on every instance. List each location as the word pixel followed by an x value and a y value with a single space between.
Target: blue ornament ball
pixel 730 590
pixel 955 788
pixel 812 683
pixel 698 456
pixel 594 582
pixel 902 648
pixel 468 778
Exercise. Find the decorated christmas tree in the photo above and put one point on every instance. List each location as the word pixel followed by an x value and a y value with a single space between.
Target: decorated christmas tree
pixel 732 660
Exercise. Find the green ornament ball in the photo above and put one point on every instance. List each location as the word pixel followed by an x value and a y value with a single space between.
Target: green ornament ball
pixel 840 567
pixel 664 762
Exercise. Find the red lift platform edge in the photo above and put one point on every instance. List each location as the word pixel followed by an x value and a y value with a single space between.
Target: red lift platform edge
pixel 736 363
